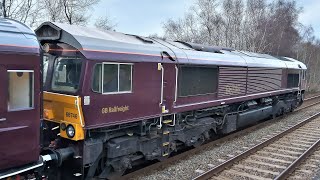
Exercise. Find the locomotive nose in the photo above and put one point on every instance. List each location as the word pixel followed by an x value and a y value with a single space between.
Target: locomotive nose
pixel 64 111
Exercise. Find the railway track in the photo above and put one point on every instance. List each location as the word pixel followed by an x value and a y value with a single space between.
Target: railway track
pixel 309 102
pixel 274 158
pixel 310 95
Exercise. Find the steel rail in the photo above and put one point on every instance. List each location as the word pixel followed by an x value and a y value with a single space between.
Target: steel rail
pixel 216 170
pixel 309 105
pixel 312 97
pixel 286 173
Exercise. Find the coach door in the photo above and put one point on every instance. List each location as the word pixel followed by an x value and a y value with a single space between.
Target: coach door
pixel 3 118
pixel 18 134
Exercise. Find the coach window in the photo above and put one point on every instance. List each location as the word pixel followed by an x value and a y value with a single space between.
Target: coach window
pixel 21 89
pixel 111 78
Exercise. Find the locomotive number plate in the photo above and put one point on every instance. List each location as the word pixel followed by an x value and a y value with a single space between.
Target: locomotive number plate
pixel 70 114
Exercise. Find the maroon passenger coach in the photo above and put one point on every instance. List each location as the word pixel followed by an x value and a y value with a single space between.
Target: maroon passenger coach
pixel 119 99
pixel 19 97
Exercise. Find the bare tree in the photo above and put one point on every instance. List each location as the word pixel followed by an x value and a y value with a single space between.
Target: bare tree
pixel 156 36
pixel 53 9
pixel 183 29
pixel 232 11
pixel 21 10
pixel 283 33
pixel 75 11
pixel 1 10
pixel 105 23
pixel 254 27
pixel 251 25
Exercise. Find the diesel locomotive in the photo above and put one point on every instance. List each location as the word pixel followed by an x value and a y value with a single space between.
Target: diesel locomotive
pixel 110 101
pixel 117 100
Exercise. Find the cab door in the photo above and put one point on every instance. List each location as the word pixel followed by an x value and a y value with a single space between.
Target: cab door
pixel 19 118
pixel 168 84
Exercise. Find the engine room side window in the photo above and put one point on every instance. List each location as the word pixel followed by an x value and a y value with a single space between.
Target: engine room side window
pixel 21 90
pixel 293 78
pixel 197 80
pixel 110 78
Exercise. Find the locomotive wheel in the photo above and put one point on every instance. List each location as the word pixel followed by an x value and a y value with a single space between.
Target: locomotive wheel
pixel 200 141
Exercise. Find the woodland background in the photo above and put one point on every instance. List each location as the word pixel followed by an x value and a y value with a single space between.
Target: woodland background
pixel 262 26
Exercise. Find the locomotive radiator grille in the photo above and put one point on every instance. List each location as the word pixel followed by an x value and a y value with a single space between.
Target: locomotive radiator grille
pixel 232 81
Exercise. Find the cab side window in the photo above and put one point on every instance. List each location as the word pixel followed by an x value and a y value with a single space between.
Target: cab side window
pixel 112 78
pixel 97 78
pixel 20 89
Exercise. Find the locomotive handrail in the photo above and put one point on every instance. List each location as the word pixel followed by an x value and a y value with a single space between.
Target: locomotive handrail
pixel 162 79
pixel 176 88
pixel 79 112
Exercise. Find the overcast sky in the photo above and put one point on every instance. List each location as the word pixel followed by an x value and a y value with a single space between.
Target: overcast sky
pixel 145 17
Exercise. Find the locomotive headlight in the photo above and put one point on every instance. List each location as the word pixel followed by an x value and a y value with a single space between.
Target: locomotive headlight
pixel 70 131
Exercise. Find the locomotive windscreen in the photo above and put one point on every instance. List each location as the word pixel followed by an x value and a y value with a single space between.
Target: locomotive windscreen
pixel 66 75
pixel 197 80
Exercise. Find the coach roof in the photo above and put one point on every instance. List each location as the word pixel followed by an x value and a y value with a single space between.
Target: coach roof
pixel 17 37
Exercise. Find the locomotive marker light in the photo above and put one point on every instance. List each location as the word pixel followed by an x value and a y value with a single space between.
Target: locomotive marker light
pixel 63 126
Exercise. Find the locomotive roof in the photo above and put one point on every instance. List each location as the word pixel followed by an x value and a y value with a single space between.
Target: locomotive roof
pixel 17 37
pixel 95 43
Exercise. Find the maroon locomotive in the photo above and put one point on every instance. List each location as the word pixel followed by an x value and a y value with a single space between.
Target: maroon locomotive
pixel 115 99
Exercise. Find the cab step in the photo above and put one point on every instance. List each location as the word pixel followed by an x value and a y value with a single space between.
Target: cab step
pixel 167 121
pixel 166 132
pixel 165 143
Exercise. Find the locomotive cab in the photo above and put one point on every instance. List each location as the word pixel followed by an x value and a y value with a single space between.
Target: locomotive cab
pixel 62 84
